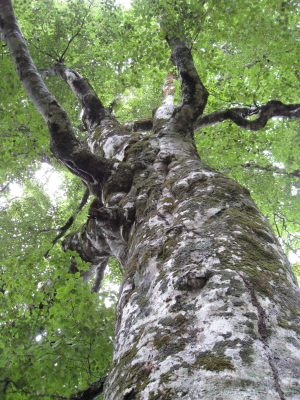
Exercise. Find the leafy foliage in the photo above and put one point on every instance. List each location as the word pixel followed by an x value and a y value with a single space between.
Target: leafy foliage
pixel 57 338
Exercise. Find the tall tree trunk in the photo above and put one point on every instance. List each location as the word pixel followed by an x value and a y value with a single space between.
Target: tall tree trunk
pixel 208 306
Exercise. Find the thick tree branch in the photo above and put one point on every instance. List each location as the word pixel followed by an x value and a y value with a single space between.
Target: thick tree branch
pixel 94 114
pixel 194 93
pixel 32 82
pixel 272 109
pixel 93 109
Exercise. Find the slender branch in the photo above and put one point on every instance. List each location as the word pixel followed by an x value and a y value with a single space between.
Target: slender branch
pixel 276 226
pixel 61 58
pixel 279 216
pixel 90 393
pixel 268 168
pixel 294 251
pixel 8 381
pixel 43 230
pixel 53 57
pixel 46 159
pixel 4 187
pixel 56 57
pixel 272 109
pixel 283 218
pixel 5 381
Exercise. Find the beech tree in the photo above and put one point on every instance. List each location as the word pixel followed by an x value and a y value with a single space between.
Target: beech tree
pixel 208 306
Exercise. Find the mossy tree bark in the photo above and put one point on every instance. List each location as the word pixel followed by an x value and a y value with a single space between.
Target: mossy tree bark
pixel 208 306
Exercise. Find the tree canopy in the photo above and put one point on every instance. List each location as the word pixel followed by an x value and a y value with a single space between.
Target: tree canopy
pixel 246 53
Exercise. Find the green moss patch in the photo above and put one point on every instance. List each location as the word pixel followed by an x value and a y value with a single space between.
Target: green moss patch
pixel 212 362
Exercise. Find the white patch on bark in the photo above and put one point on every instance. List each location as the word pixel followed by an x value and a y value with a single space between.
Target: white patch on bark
pixel 166 109
pixel 221 249
pixel 70 75
pixel 154 221
pixel 171 143
pixel 111 145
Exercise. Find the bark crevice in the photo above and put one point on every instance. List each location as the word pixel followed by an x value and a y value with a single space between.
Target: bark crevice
pixel 264 333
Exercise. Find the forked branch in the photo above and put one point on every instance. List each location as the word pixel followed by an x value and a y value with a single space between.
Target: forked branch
pixel 64 144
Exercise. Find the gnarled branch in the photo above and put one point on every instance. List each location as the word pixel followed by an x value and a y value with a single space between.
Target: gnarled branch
pixel 272 109
pixel 238 115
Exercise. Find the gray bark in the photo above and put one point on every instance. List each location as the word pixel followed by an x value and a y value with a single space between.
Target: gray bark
pixel 208 306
